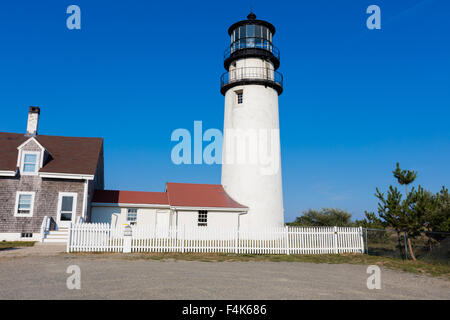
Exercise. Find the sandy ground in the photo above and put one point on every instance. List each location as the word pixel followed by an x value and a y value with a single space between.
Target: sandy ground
pixel 40 273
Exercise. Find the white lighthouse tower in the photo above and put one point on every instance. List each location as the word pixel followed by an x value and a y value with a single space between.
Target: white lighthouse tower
pixel 251 159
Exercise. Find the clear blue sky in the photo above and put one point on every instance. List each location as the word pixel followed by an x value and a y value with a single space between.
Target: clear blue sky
pixel 355 102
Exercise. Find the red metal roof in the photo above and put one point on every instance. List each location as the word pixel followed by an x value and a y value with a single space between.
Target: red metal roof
pixel 176 195
pixel 136 197
pixel 200 195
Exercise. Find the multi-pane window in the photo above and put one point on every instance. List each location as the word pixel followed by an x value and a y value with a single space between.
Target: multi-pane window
pixel 29 162
pixel 240 97
pixel 203 218
pixel 66 208
pixel 132 216
pixel 24 204
pixel 250 36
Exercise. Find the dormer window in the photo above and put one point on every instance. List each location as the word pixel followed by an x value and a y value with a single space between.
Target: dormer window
pixel 30 162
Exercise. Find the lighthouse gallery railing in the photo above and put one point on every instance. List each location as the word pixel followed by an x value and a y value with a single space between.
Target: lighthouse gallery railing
pixel 251 73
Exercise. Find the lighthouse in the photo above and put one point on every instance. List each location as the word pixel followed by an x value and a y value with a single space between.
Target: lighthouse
pixel 251 155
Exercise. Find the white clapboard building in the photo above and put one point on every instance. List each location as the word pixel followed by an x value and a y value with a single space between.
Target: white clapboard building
pixel 182 204
pixel 250 195
pixel 49 183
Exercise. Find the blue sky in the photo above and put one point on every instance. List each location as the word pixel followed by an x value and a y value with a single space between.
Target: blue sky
pixel 355 102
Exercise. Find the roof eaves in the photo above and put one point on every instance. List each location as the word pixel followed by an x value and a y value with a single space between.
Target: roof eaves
pixel 196 208
pixel 56 175
pixel 8 173
pixel 132 205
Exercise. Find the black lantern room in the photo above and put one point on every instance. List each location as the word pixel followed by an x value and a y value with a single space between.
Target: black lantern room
pixel 252 38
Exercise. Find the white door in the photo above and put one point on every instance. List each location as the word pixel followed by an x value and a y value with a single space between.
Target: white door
pixel 67 208
pixel 162 223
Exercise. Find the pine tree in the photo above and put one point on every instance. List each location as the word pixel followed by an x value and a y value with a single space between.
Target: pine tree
pixel 404 177
pixel 404 214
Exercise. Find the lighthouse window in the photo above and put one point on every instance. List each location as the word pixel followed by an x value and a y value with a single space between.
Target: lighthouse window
pixel 251 36
pixel 251 30
pixel 258 32
pixel 242 33
pixel 203 218
pixel 240 97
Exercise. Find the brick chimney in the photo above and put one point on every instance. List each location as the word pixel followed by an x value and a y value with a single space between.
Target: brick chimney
pixel 33 121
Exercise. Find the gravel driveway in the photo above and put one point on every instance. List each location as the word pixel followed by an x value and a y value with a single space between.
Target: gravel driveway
pixel 115 277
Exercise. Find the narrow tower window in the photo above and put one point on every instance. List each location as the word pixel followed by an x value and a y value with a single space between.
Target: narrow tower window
pixel 240 97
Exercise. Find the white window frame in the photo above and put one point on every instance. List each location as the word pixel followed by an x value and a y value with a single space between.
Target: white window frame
pixel 16 208
pixel 128 211
pixel 21 151
pixel 74 205
pixel 26 235
pixel 204 214
pixel 36 168
pixel 241 94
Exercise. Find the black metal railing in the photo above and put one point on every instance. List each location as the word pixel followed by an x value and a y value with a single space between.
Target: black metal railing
pixel 252 43
pixel 252 74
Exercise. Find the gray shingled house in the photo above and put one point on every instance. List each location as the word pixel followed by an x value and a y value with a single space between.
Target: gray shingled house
pixel 46 182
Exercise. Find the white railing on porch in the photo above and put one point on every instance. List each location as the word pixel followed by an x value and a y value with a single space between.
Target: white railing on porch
pixel 45 227
pixel 97 237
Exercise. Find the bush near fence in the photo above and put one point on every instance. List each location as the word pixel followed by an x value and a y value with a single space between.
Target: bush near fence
pixel 427 246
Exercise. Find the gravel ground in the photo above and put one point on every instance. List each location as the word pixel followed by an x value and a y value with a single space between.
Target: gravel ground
pixel 40 276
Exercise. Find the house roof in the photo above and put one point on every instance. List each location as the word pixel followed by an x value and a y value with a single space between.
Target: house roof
pixel 135 197
pixel 72 155
pixel 8 146
pixel 200 195
pixel 176 195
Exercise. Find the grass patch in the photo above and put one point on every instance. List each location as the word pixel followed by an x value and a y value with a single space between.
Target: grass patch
pixel 417 267
pixel 15 244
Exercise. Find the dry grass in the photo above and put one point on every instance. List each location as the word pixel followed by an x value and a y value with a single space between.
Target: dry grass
pixel 15 244
pixel 418 267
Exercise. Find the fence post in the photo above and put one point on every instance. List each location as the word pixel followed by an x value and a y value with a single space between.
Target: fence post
pixel 127 237
pixel 69 240
pixel 183 238
pixel 335 240
pixel 236 240
pixel 361 239
pixel 367 243
pixel 286 232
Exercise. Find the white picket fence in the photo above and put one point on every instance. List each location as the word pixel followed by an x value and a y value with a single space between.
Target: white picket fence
pixel 93 237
